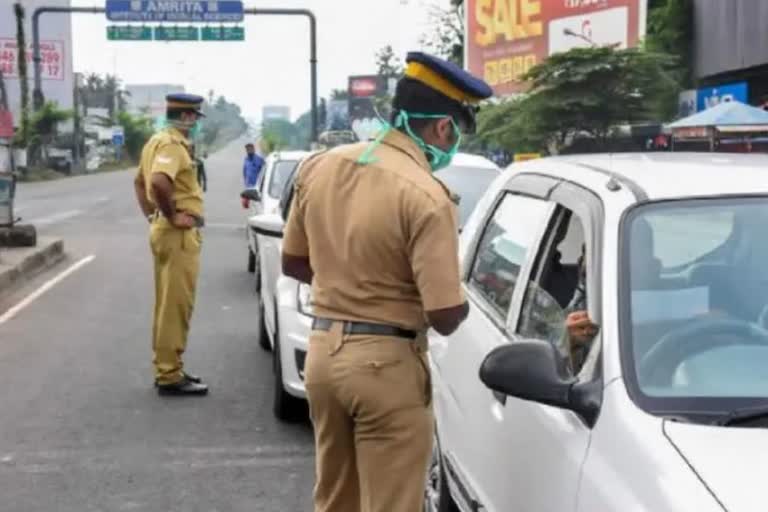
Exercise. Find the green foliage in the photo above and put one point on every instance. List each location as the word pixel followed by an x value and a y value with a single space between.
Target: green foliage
pixel 222 123
pixel 44 121
pixel 137 130
pixel 339 94
pixel 104 92
pixel 279 134
pixel 387 63
pixel 447 38
pixel 583 91
pixel 670 31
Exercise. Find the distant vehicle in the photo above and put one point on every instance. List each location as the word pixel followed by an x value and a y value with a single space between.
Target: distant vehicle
pixel 264 199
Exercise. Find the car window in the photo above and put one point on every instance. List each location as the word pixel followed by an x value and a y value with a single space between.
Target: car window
pixel 280 174
pixel 558 286
pixel 696 301
pixel 470 183
pixel 672 232
pixel 504 247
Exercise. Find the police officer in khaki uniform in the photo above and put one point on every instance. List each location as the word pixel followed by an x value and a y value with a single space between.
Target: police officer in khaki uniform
pixel 169 194
pixel 377 237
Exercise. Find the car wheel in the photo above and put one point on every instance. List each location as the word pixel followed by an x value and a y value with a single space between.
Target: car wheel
pixel 263 334
pixel 251 261
pixel 285 406
pixel 437 497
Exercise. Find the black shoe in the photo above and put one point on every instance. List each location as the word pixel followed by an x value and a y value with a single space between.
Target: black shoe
pixel 189 377
pixel 182 388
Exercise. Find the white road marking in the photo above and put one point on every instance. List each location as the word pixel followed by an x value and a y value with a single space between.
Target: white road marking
pixel 44 288
pixel 56 217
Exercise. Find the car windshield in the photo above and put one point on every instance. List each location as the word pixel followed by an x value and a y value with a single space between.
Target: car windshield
pixel 280 175
pixel 470 183
pixel 695 302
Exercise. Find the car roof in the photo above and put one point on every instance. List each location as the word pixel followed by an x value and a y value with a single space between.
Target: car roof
pixel 470 160
pixel 663 175
pixel 289 155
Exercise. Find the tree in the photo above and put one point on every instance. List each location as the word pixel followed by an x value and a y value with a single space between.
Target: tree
pixel 43 125
pixel 24 134
pixel 584 91
pixel 670 31
pixel 447 40
pixel 137 130
pixel 388 64
pixel 339 94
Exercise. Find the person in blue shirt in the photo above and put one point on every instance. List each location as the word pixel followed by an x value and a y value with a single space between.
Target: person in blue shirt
pixel 252 166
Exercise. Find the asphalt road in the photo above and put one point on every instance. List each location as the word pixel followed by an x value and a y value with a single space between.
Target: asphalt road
pixel 81 428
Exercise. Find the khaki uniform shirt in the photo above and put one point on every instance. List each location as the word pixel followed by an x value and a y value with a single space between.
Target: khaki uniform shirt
pixel 382 238
pixel 167 152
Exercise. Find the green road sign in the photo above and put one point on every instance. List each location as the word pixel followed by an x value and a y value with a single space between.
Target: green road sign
pixel 177 34
pixel 223 34
pixel 115 33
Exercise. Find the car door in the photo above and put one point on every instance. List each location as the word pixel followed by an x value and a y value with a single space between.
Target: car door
pixel 544 447
pixel 473 459
pixel 270 247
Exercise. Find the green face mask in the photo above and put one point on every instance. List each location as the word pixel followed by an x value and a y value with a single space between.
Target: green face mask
pixel 195 130
pixel 438 158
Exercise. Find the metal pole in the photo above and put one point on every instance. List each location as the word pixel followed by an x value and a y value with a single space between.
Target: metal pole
pixel 312 53
pixel 37 94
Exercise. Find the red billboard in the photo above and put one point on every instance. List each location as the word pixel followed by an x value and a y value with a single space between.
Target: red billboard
pixel 506 38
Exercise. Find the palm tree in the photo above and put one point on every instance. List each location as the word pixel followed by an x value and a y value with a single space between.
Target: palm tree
pixel 21 44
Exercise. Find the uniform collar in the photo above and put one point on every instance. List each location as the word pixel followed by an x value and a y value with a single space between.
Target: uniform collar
pixel 177 135
pixel 402 142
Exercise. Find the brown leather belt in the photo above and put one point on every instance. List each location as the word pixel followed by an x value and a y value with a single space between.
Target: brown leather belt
pixel 364 328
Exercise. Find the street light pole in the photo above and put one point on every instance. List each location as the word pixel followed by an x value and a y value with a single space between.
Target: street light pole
pixel 312 54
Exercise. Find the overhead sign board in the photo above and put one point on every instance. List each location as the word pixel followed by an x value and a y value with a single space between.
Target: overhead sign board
pixel 177 33
pixel 506 38
pixel 129 33
pixel 175 11
pixel 223 34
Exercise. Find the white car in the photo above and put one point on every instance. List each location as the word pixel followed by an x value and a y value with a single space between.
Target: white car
pixel 468 176
pixel 667 408
pixel 265 198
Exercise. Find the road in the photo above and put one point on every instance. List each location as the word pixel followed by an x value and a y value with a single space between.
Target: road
pixel 81 427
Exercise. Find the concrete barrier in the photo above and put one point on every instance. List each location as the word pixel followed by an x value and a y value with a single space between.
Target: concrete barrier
pixel 18 265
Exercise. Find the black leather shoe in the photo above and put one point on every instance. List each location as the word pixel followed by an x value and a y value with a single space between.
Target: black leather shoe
pixel 193 378
pixel 189 377
pixel 184 387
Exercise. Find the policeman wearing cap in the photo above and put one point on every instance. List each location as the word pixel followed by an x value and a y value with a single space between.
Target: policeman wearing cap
pixel 169 195
pixel 377 237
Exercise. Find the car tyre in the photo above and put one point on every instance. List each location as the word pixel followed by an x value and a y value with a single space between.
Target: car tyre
pixel 285 406
pixel 437 496
pixel 263 334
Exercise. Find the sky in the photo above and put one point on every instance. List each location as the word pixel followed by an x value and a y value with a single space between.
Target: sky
pixel 272 66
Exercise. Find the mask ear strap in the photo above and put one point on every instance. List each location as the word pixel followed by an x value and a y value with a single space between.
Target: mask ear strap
pixel 367 156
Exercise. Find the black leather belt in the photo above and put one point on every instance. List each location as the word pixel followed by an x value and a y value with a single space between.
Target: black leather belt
pixel 365 328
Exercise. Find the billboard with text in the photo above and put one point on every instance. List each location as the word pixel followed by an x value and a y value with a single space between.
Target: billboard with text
pixel 506 38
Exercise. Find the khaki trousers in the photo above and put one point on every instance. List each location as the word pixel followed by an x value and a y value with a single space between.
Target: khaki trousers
pixel 370 404
pixel 176 255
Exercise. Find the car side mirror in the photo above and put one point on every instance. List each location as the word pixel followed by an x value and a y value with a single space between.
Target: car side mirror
pixel 267 224
pixel 534 370
pixel 251 194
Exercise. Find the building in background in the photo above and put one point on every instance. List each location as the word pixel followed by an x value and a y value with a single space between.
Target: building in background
pixel 55 50
pixel 730 53
pixel 505 39
pixel 272 112
pixel 149 99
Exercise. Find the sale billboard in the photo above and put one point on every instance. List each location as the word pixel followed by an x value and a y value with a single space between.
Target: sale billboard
pixel 506 38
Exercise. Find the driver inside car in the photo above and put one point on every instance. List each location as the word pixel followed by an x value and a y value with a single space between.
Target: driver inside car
pixel 579 328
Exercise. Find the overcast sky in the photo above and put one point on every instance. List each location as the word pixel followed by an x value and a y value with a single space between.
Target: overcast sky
pixel 272 65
